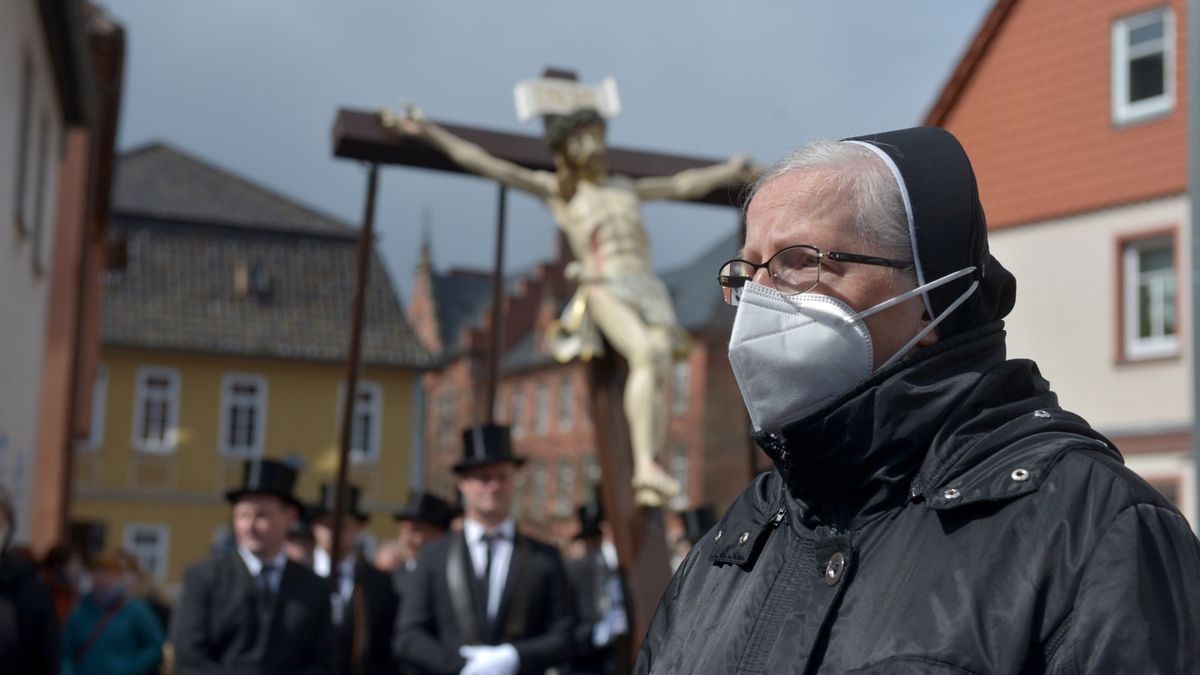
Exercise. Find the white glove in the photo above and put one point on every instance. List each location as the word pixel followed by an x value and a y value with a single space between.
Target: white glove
pixel 618 623
pixel 488 660
pixel 612 626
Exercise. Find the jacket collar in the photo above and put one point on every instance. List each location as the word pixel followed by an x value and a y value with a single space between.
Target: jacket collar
pixel 896 435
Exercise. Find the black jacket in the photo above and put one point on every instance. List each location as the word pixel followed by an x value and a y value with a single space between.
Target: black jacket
pixel 535 613
pixel 589 577
pixel 29 631
pixel 219 626
pixel 945 516
pixel 377 612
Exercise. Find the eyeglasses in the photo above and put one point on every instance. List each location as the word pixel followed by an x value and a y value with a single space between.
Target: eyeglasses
pixel 793 270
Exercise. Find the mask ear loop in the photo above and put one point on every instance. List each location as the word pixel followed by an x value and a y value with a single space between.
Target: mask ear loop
pixel 926 330
pixel 941 281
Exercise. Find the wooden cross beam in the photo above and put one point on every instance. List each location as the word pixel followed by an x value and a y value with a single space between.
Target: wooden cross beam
pixel 638 533
pixel 358 134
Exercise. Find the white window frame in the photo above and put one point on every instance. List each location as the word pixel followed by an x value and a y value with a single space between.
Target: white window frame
pixel 681 386
pixel 21 198
pixel 259 402
pixel 540 480
pixel 591 470
pixel 1135 346
pixel 566 486
pixel 518 413
pixel 679 467
pixel 171 421
pixel 1124 111
pixel 541 409
pixel 44 193
pixel 375 409
pixel 566 404
pixel 162 547
pixel 95 437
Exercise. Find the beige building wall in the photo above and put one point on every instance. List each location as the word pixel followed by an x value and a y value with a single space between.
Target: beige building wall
pixel 26 239
pixel 1066 316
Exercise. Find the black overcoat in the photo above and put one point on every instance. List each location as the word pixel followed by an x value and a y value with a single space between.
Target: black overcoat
pixel 589 576
pixel 219 626
pixel 379 602
pixel 946 516
pixel 535 613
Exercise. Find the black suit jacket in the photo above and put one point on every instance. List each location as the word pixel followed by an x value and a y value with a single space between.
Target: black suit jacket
pixel 589 577
pixel 439 612
pixel 375 591
pixel 219 626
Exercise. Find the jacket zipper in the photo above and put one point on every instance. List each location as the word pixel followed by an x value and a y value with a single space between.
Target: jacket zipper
pixel 779 516
pixel 824 505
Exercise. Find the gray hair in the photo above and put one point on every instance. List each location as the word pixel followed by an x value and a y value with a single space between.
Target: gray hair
pixel 879 217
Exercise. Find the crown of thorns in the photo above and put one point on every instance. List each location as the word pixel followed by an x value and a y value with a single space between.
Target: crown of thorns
pixel 560 127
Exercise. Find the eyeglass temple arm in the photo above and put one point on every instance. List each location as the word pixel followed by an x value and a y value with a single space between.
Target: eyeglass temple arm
pixel 866 259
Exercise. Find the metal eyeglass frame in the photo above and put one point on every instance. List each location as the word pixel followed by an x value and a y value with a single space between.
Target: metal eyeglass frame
pixel 726 280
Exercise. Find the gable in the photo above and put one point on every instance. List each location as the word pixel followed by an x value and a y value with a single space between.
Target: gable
pixel 1032 105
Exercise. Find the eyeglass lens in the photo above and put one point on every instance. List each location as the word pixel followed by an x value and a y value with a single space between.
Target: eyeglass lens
pixel 793 270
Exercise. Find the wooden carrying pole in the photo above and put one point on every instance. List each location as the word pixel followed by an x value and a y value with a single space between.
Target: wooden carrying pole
pixel 493 380
pixel 353 361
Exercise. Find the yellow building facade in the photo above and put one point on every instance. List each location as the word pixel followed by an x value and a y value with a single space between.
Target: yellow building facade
pixel 224 337
pixel 173 499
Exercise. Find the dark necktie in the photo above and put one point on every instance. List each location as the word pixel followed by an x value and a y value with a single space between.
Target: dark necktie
pixel 485 582
pixel 265 592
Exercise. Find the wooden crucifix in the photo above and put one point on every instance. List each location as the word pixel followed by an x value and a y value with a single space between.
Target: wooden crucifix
pixel 595 194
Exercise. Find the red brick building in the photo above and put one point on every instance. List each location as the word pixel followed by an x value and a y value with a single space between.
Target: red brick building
pixel 548 404
pixel 1074 114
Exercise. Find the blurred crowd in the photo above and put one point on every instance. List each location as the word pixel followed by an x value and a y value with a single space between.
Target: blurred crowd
pixel 83 612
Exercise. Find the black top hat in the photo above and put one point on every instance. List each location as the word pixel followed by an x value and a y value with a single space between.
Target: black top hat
pixel 590 515
pixel 267 477
pixel 327 505
pixel 485 444
pixel 427 508
pixel 697 522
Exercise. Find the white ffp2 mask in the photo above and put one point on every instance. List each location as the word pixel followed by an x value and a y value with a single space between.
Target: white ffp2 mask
pixel 793 354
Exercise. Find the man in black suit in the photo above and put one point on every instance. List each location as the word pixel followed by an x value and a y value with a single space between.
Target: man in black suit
pixel 488 599
pixel 424 519
pixel 362 599
pixel 599 598
pixel 251 610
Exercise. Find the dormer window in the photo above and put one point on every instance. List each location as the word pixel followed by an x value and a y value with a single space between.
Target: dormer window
pixel 252 279
pixel 1143 66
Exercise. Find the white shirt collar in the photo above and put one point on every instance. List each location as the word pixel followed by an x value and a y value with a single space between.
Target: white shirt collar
pixel 321 564
pixel 609 551
pixel 254 564
pixel 474 530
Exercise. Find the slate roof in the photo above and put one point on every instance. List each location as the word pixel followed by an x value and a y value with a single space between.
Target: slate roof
pixel 461 299
pixel 694 291
pixel 157 180
pixel 178 292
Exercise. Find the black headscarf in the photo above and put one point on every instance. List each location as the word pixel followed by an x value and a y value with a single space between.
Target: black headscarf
pixel 946 225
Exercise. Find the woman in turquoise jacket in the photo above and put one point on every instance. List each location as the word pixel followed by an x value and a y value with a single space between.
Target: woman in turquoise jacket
pixel 109 632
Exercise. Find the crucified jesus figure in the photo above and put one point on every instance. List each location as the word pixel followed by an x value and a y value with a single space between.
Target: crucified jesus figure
pixel 600 214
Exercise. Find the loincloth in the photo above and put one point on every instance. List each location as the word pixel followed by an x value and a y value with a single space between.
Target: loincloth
pixel 576 335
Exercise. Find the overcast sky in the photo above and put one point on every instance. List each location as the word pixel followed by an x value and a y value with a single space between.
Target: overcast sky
pixel 254 85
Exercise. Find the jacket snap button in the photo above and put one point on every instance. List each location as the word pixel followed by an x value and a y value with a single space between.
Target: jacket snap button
pixel 742 539
pixel 1041 414
pixel 718 537
pixel 1020 475
pixel 951 493
pixel 835 568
